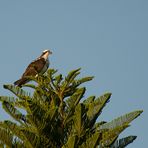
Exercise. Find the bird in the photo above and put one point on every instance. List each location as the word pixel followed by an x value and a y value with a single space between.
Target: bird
pixel 36 67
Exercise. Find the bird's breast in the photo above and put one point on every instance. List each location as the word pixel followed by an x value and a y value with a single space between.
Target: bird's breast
pixel 45 67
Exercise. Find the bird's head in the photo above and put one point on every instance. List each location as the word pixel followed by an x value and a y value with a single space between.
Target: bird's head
pixel 46 53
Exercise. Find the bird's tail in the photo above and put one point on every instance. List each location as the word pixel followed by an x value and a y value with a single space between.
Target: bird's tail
pixel 21 81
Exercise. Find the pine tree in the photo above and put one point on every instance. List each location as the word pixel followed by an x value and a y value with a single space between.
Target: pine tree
pixel 56 115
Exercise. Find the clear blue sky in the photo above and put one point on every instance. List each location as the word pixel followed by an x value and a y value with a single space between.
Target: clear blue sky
pixel 108 39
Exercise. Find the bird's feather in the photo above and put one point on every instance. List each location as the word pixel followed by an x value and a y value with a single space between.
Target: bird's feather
pixel 21 81
pixel 34 67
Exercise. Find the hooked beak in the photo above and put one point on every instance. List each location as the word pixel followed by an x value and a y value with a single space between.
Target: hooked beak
pixel 49 52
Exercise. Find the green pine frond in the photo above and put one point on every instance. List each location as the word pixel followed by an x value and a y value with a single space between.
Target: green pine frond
pixel 76 97
pixel 11 100
pixel 41 101
pixel 36 113
pixel 79 119
pixel 58 79
pixel 17 143
pixel 51 72
pixel 72 102
pixel 13 128
pixel 125 119
pixel 95 106
pixel 67 88
pixel 121 143
pixel 71 75
pixel 91 141
pixel 71 142
pixel 13 112
pixel 17 102
pixel 40 80
pixel 8 99
pixel 17 131
pixel 6 137
pixel 89 100
pixel 78 82
pixel 109 136
pixel 32 139
pixel 17 91
pixel 2 144
pixel 30 86
pixel 78 122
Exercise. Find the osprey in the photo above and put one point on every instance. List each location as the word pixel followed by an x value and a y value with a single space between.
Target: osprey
pixel 38 66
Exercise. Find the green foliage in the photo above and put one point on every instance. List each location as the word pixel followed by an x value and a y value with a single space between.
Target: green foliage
pixel 57 115
pixel 123 142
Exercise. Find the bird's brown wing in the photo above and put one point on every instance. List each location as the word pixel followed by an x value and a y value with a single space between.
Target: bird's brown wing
pixel 34 67
pixel 21 81
pixel 30 71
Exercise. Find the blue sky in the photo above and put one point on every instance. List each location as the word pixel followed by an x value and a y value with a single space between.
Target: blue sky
pixel 107 39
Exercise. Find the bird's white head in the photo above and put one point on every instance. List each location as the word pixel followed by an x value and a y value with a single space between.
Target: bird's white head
pixel 47 50
pixel 46 53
